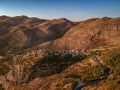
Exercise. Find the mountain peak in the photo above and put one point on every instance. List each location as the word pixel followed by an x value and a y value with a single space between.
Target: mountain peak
pixel 22 17
pixel 4 17
pixel 106 17
pixel 64 19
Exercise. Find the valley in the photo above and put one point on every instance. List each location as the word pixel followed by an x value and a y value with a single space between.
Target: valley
pixel 58 54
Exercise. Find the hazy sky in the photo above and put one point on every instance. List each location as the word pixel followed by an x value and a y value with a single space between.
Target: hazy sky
pixel 72 9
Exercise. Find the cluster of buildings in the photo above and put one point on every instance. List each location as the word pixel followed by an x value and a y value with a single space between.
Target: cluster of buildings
pixel 63 53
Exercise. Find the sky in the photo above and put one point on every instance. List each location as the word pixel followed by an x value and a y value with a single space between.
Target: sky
pixel 74 10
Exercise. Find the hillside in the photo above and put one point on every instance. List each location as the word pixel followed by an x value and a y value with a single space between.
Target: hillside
pixel 58 54
pixel 22 32
pixel 99 69
pixel 91 33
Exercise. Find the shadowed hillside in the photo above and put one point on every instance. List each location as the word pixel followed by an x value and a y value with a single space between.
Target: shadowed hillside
pixel 24 32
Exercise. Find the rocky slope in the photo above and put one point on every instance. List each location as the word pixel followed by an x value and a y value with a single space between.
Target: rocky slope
pixel 91 33
pixel 58 54
pixel 23 32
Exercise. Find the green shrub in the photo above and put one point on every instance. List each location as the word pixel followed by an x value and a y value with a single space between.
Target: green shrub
pixel 4 69
pixel 89 73
pixel 92 73
pixel 112 60
pixel 55 64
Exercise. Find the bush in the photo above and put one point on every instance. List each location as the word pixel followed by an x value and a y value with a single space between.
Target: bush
pixel 89 73
pixel 4 69
pixel 53 64
pixel 112 60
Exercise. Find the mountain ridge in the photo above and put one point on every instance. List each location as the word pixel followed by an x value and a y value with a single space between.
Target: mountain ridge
pixel 58 54
pixel 22 32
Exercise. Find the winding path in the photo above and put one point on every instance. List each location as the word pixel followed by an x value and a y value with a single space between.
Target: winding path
pixel 96 60
pixel 80 85
pixel 16 71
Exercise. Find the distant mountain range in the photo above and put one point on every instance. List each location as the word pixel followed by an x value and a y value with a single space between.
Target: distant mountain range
pixel 22 32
